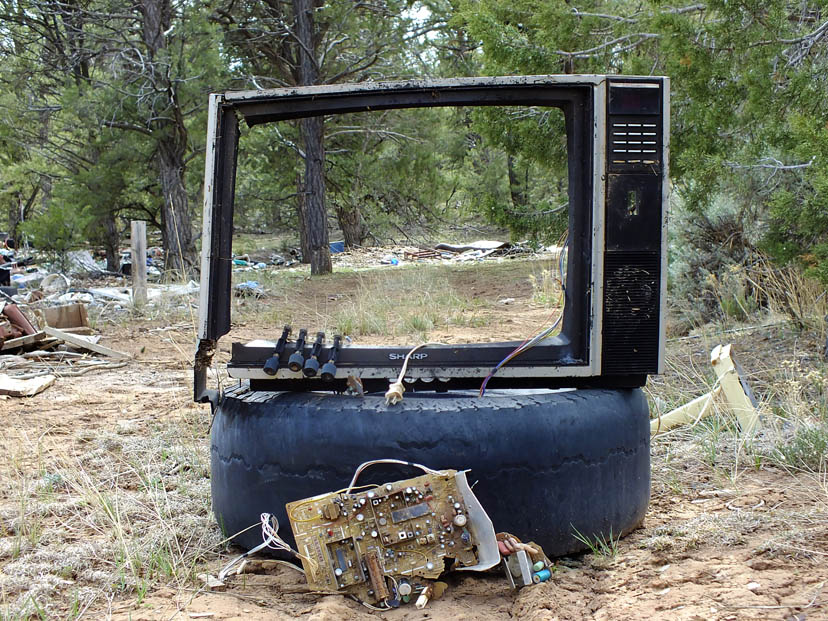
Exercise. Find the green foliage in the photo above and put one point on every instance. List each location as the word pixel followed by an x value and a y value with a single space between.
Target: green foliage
pixel 58 230
pixel 808 449
pixel 87 125
pixel 600 545
pixel 748 85
pixel 88 111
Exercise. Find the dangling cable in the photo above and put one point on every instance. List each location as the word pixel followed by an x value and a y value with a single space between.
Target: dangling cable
pixel 373 462
pixel 271 539
pixel 532 341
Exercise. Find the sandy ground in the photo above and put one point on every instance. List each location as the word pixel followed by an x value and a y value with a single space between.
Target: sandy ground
pixel 104 505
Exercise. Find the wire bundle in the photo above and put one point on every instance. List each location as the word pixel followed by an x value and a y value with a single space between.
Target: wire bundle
pixel 271 539
pixel 532 341
pixel 373 462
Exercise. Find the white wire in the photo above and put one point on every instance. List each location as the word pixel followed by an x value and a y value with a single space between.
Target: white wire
pixel 371 606
pixel 395 391
pixel 271 539
pixel 365 465
pixel 408 357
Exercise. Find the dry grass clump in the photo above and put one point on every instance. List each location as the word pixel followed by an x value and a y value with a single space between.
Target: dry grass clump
pixel 405 301
pixel 779 343
pixel 800 537
pixel 733 527
pixel 128 513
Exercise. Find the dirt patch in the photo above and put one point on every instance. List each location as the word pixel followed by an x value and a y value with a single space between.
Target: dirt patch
pixel 105 510
pixel 503 299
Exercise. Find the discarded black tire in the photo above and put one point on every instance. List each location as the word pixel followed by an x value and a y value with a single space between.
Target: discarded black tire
pixel 547 463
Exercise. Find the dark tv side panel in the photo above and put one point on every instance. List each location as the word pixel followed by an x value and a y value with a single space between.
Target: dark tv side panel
pixel 633 212
pixel 632 297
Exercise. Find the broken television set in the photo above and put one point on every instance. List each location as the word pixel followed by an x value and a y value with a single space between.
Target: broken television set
pixel 610 329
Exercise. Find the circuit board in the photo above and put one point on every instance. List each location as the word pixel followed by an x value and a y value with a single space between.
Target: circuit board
pixel 408 531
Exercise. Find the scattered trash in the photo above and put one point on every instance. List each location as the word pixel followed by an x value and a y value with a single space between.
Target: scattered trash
pixel 119 294
pixel 82 262
pixel 484 245
pixel 124 294
pixel 366 257
pixel 55 284
pixel 69 317
pixel 337 247
pixel 211 582
pixel 249 288
pixel 414 255
pixel 84 342
pixel 13 323
pixel 523 563
pixel 30 361
pixel 474 255
pixel 28 280
pixel 80 297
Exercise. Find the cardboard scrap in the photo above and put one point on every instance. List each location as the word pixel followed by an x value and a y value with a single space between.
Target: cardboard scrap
pixel 66 316
pixel 24 387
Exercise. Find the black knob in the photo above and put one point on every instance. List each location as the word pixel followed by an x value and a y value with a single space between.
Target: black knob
pixel 329 368
pixel 312 363
pixel 328 371
pixel 297 359
pixel 311 367
pixel 272 364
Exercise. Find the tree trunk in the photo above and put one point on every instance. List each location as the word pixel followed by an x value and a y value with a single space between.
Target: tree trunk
pixel 177 231
pixel 300 214
pixel 20 210
pixel 352 224
pixel 111 242
pixel 517 192
pixel 313 214
pixel 170 134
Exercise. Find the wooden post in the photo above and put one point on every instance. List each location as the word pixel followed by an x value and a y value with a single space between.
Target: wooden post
pixel 139 262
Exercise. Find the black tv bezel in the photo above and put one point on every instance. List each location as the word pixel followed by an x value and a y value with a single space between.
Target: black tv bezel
pixel 567 359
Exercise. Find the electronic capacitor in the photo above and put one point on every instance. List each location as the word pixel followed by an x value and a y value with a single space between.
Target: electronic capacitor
pixel 541 576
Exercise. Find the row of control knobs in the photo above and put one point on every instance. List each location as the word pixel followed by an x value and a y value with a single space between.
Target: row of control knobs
pixel 297 361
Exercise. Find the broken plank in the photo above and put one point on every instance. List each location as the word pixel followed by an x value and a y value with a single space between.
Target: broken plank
pixel 24 387
pixel 22 341
pixel 79 330
pixel 81 342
